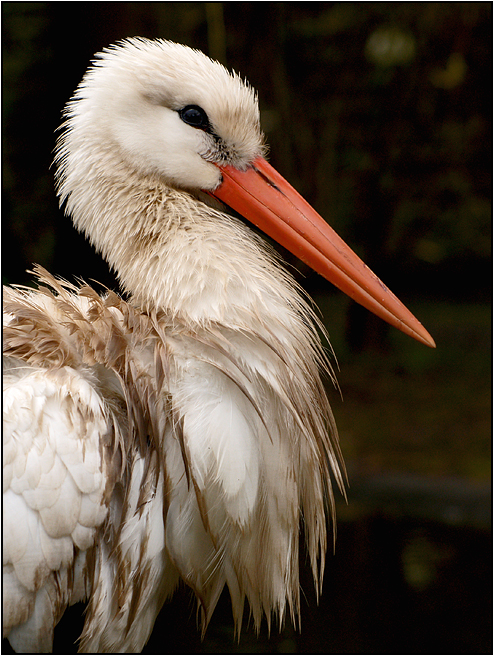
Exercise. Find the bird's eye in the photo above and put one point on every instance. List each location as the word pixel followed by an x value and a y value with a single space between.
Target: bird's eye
pixel 194 116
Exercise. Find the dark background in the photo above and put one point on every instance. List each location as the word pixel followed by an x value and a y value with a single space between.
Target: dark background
pixel 380 115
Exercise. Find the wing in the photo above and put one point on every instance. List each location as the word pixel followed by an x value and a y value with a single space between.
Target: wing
pixel 55 494
pixel 81 425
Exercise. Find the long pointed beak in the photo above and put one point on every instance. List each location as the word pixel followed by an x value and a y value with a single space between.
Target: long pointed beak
pixel 265 198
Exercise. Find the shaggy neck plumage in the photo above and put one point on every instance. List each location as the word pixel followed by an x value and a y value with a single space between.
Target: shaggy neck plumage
pixel 169 250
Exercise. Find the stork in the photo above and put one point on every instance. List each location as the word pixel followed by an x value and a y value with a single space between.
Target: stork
pixel 180 432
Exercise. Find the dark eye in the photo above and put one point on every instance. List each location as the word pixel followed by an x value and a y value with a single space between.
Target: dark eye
pixel 194 116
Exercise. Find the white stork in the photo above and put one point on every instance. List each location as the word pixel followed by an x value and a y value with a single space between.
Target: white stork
pixel 183 433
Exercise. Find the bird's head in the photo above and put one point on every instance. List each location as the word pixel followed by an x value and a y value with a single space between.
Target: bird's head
pixel 170 111
pixel 166 113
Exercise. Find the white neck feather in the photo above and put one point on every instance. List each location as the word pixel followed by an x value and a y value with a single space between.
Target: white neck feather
pixel 171 251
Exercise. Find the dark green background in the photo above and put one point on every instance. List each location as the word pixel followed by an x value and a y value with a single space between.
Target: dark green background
pixel 380 115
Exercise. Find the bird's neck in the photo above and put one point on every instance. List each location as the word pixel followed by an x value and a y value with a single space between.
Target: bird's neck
pixel 174 253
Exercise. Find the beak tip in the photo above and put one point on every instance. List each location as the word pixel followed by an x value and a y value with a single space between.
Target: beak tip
pixel 422 336
pixel 431 342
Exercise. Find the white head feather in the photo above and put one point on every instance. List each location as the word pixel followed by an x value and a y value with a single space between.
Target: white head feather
pixel 130 100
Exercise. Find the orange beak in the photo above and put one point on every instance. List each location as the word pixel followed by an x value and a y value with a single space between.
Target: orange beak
pixel 264 197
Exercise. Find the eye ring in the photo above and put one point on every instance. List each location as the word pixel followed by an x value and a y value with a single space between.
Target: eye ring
pixel 194 116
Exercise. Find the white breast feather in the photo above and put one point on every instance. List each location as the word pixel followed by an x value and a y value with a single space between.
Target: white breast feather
pixel 54 484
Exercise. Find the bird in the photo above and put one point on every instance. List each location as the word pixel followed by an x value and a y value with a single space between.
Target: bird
pixel 178 431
